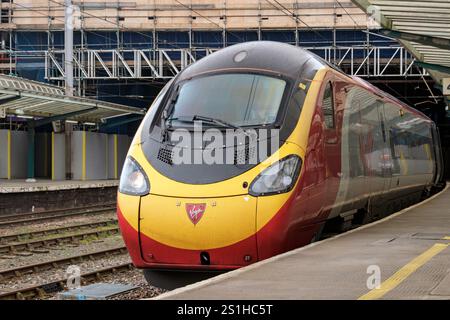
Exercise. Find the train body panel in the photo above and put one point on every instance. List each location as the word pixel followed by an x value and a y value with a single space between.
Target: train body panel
pixel 356 150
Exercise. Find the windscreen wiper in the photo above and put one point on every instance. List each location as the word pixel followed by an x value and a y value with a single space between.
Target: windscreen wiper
pixel 219 122
pixel 166 113
pixel 173 101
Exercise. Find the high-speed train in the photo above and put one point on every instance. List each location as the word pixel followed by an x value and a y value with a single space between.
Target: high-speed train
pixel 347 153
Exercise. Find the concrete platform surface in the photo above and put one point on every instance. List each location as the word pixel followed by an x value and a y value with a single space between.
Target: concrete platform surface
pixel 17 186
pixel 404 256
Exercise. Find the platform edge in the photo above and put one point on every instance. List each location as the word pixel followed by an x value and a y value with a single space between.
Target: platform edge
pixel 256 265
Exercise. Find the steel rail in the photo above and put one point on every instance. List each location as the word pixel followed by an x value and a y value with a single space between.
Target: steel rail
pixel 42 290
pixel 46 243
pixel 58 230
pixel 25 214
pixel 40 217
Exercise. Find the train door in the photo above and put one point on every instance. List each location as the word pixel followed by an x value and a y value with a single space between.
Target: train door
pixel 385 160
pixel 370 138
pixel 354 181
pixel 330 104
pixel 310 199
pixel 439 162
pixel 354 140
pixel 395 159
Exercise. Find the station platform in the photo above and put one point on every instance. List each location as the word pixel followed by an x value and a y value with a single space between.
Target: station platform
pixel 407 252
pixel 17 186
pixel 19 196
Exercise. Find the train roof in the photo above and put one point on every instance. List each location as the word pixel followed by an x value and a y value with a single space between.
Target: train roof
pixel 276 57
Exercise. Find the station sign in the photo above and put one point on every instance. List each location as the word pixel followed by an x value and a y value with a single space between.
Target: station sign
pixel 446 86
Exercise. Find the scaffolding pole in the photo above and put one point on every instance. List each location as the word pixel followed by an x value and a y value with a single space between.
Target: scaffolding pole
pixel 68 46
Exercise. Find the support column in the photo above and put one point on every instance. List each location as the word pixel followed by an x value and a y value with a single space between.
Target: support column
pixel 68 129
pixel 68 47
pixel 83 156
pixel 31 154
pixel 116 175
pixel 53 156
pixel 68 67
pixel 9 155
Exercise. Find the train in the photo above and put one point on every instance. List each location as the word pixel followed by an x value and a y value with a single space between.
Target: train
pixel 346 153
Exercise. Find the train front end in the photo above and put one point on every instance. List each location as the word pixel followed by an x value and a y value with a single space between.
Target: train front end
pixel 191 197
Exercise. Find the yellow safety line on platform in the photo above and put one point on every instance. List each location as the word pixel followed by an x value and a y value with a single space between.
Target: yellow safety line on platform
pixel 404 272
pixel 9 154
pixel 83 157
pixel 115 157
pixel 53 156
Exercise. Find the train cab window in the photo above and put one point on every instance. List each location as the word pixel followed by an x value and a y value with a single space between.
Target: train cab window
pixel 238 98
pixel 328 106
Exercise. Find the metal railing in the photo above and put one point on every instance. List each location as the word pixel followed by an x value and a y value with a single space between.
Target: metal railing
pixel 371 61
pixel 124 64
pixel 166 63
pixel 90 64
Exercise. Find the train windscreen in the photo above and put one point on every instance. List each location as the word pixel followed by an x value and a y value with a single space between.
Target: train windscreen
pixel 237 99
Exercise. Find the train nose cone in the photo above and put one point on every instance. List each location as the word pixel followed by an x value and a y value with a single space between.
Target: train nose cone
pixel 186 230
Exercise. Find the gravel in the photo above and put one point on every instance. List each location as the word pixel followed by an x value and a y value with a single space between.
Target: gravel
pixel 63 251
pixel 42 277
pixel 134 276
pixel 38 226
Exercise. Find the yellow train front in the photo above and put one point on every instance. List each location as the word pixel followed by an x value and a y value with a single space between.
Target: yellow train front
pixel 198 215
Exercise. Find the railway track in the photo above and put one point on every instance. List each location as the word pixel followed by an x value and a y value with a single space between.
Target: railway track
pixel 18 272
pixel 24 218
pixel 7 216
pixel 47 232
pixel 42 290
pixel 33 244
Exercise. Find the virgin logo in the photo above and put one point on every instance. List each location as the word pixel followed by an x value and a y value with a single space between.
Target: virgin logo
pixel 195 211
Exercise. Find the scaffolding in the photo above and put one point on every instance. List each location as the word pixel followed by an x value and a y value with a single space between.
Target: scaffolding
pixel 166 63
pixel 99 24
pixel 153 40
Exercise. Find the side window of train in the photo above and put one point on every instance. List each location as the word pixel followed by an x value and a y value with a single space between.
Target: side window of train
pixel 328 106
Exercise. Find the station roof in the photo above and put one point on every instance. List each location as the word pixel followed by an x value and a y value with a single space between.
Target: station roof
pixel 422 26
pixel 26 98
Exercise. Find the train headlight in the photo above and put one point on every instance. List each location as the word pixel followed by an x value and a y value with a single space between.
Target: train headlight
pixel 280 177
pixel 133 180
